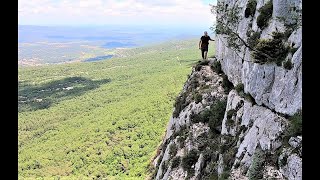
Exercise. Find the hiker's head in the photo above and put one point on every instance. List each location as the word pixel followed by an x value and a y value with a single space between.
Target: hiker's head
pixel 205 33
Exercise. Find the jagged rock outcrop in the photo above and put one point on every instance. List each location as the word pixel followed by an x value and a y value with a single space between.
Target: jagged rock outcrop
pixel 182 133
pixel 238 116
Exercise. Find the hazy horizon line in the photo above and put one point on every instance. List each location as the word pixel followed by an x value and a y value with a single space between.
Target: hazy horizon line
pixel 105 25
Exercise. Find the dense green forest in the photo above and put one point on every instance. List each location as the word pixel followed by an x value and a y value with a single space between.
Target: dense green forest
pixel 98 120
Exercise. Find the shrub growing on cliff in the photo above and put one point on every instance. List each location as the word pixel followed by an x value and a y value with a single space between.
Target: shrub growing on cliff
pixel 253 39
pixel 180 104
pixel 226 84
pixel 265 14
pixel 230 121
pixel 216 67
pixel 229 157
pixel 293 50
pixel 224 175
pixel 239 88
pixel 188 160
pixel 194 83
pixel 159 159
pixel 288 65
pixel 227 20
pixel 195 118
pixel 173 150
pixel 295 126
pixel 164 168
pixel 255 170
pixel 251 8
pixel 271 50
pixel 248 97
pixel 283 161
pixel 198 67
pixel 181 141
pixel 181 132
pixel 229 142
pixel 216 114
pixel 213 116
pixel 197 97
pixel 231 113
pixel 175 162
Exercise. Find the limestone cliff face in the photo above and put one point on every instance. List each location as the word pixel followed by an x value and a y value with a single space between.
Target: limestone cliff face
pixel 271 85
pixel 237 118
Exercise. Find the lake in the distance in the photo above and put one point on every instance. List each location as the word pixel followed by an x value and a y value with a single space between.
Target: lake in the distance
pixel 98 58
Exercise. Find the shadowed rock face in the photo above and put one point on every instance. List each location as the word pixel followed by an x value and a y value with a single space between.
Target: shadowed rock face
pixel 257 136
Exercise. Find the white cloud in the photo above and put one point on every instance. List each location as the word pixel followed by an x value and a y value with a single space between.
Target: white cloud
pixel 190 12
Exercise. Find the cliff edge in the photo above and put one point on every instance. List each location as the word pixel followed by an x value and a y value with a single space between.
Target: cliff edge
pixel 239 115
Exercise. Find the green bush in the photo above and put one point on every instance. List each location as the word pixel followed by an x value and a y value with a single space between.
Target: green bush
pixel 251 8
pixel 197 98
pixel 180 104
pixel 229 122
pixel 198 67
pixel 265 15
pixel 231 113
pixel 175 162
pixel 195 118
pixel 241 139
pixel 216 67
pixel 194 83
pixel 226 84
pixel 203 141
pixel 181 132
pixel 293 50
pixel 190 159
pixel 206 79
pixel 181 141
pixel 224 175
pixel 230 142
pixel 283 161
pixel 271 50
pixel 219 28
pixel 164 168
pixel 248 97
pixel 239 88
pixel 214 176
pixel 159 160
pixel 241 102
pixel 216 114
pixel 253 39
pixel 295 126
pixel 173 150
pixel 288 65
pixel 243 128
pixel 288 32
pixel 230 155
pixel 255 170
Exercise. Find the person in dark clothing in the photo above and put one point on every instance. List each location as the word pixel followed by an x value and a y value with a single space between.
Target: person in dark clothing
pixel 204 44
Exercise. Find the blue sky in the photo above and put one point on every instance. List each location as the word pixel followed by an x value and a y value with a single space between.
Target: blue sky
pixel 104 12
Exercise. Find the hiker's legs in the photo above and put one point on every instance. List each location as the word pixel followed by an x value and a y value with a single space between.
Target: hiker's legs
pixel 202 53
pixel 205 54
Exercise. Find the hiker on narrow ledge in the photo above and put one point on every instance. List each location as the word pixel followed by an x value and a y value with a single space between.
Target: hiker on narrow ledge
pixel 204 44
